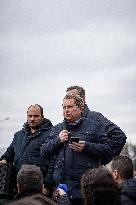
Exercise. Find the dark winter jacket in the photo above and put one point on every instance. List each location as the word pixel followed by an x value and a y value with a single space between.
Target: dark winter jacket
pixel 63 200
pixel 71 165
pixel 42 198
pixel 25 148
pixel 32 196
pixel 114 133
pixel 128 193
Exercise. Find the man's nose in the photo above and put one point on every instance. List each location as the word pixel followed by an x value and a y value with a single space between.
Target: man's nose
pixel 66 109
pixel 32 118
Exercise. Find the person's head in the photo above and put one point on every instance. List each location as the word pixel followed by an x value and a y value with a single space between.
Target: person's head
pixel 72 107
pixel 121 167
pixel 76 90
pixel 30 178
pixel 34 116
pixel 99 188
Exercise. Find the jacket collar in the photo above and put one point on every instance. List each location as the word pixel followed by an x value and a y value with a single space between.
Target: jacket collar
pixel 27 193
pixel 45 125
pixel 85 111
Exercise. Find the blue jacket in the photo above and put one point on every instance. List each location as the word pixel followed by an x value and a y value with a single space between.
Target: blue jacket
pixel 113 132
pixel 128 192
pixel 70 165
pixel 25 149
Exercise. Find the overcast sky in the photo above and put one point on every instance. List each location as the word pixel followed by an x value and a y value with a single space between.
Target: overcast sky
pixel 48 45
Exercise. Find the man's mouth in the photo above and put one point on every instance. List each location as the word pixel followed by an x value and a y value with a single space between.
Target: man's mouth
pixel 67 116
pixel 32 123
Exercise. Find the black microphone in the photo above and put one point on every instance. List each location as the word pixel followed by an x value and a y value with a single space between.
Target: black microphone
pixel 65 125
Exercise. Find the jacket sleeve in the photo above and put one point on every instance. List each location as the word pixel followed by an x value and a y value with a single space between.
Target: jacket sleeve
pixel 117 137
pixel 48 181
pixel 114 133
pixel 52 144
pixel 9 154
pixel 63 200
pixel 101 149
pixel 51 147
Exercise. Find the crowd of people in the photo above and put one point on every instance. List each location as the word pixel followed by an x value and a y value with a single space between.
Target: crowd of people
pixel 74 162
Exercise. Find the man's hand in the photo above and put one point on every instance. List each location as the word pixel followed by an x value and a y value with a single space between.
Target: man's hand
pixel 77 147
pixel 63 135
pixel 60 192
pixel 3 161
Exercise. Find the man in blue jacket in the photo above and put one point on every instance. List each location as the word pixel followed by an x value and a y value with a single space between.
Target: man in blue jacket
pixel 113 132
pixel 121 167
pixel 25 146
pixel 74 158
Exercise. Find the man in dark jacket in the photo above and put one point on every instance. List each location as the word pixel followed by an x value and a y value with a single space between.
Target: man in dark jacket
pixel 74 158
pixel 113 132
pixel 99 188
pixel 30 186
pixel 25 147
pixel 121 168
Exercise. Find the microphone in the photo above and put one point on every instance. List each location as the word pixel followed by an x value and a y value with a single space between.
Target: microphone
pixel 65 125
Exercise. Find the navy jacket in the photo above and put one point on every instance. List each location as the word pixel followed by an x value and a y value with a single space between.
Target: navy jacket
pixel 70 165
pixel 128 193
pixel 114 133
pixel 25 149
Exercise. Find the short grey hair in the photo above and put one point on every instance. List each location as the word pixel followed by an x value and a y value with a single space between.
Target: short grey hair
pixel 77 99
pixel 30 177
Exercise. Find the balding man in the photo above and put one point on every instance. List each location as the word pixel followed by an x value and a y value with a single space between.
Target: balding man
pixel 25 147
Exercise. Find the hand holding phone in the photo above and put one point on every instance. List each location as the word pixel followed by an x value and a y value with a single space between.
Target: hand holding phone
pixel 77 147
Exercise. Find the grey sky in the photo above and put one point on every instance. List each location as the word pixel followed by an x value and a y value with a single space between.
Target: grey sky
pixel 46 46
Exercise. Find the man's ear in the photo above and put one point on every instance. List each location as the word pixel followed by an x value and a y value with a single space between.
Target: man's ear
pixel 115 174
pixel 84 98
pixel 43 187
pixel 44 190
pixel 82 108
pixel 18 190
